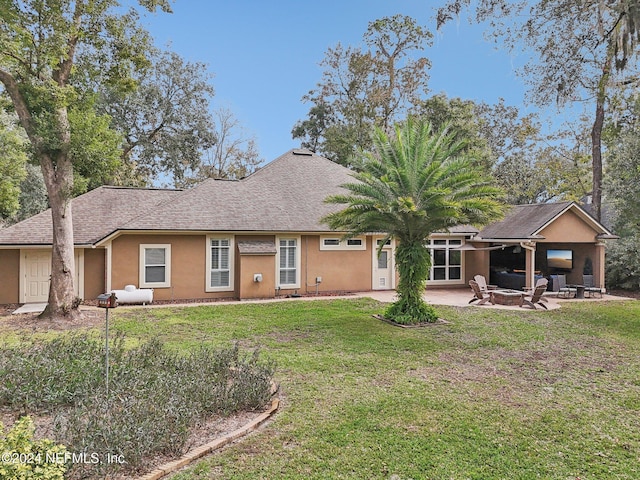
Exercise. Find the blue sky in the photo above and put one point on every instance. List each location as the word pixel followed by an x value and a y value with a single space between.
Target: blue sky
pixel 265 55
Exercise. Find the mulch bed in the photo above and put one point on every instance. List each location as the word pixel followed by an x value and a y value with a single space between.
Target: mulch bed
pixel 29 322
pixel 625 293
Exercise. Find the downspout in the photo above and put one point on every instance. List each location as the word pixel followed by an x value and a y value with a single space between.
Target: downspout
pixel 108 268
pixel 530 281
pixel 306 264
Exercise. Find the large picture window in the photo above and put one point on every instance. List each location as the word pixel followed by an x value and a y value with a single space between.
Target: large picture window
pixel 288 263
pixel 446 261
pixel 220 264
pixel 155 266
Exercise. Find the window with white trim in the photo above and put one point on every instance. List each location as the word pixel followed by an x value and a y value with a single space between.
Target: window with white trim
pixel 446 260
pixel 155 265
pixel 288 262
pixel 336 243
pixel 330 242
pixel 219 264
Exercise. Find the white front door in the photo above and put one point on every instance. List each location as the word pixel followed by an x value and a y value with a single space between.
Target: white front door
pixel 37 275
pixel 36 268
pixel 383 267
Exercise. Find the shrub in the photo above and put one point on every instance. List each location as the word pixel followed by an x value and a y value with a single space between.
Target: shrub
pixel 623 263
pixel 26 458
pixel 155 396
pixel 53 373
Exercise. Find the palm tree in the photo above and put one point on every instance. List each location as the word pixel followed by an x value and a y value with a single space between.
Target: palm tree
pixel 411 185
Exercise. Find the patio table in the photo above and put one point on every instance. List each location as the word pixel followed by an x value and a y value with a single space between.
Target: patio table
pixel 506 297
pixel 579 290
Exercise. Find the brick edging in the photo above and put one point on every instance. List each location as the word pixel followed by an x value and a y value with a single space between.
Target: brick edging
pixel 196 453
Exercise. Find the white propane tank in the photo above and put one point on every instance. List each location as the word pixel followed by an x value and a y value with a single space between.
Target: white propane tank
pixel 131 294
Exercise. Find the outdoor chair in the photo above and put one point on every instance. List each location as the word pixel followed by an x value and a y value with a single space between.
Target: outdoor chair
pixel 539 282
pixel 478 295
pixel 482 283
pixel 535 298
pixel 560 286
pixel 589 287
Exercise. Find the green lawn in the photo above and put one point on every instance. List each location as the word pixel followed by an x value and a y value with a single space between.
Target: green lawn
pixel 493 395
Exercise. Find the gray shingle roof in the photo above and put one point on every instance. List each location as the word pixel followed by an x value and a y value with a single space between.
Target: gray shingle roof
pixel 287 195
pixel 523 221
pixel 256 247
pixel 95 215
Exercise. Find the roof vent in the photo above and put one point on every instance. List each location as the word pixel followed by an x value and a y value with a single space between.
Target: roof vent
pixel 299 151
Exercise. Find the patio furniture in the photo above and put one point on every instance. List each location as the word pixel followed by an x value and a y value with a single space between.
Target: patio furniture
pixel 589 287
pixel 541 282
pixel 482 283
pixel 535 298
pixel 560 286
pixel 579 290
pixel 479 296
pixel 507 297
pixel 510 280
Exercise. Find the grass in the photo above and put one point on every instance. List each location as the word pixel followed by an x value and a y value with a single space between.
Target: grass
pixel 495 394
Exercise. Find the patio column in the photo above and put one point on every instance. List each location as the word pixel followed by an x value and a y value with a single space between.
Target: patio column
pixel 598 265
pixel 530 263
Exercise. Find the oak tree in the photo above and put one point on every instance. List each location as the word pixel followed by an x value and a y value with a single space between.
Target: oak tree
pixel 363 88
pixel 13 159
pixel 580 51
pixel 165 122
pixel 39 44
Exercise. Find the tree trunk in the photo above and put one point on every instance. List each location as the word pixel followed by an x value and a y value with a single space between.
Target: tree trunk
pixel 596 158
pixel 413 262
pixel 58 178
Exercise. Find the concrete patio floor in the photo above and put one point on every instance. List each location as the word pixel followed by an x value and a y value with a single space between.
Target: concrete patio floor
pixel 459 297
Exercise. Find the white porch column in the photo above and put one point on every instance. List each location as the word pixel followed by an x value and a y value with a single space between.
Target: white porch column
pixel 599 265
pixel 530 263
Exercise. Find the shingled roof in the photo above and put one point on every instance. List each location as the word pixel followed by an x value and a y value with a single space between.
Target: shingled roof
pixel 287 195
pixel 524 222
pixel 96 214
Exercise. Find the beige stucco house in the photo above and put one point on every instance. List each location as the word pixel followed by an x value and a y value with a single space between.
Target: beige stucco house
pixel 262 237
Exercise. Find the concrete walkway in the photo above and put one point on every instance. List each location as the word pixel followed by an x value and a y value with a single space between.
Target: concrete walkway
pixel 30 308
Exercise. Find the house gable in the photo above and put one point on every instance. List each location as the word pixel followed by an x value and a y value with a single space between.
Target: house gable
pixel 536 222
pixel 569 227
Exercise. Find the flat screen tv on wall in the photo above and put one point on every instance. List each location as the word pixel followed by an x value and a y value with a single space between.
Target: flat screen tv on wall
pixel 560 259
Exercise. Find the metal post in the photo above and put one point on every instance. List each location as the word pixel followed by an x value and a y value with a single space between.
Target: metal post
pixel 106 350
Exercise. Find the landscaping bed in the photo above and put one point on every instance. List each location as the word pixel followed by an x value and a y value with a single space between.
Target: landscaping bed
pixel 157 406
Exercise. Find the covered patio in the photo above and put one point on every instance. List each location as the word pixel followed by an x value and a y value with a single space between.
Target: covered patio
pixel 541 240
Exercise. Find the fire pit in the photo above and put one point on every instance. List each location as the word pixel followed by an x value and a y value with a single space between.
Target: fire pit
pixel 506 297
